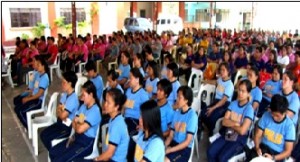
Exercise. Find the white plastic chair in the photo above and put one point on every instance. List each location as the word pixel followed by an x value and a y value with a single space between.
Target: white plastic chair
pixel 81 80
pixel 192 149
pixel 56 66
pixel 44 121
pixel 210 93
pixel 8 74
pixel 110 64
pixel 28 76
pixel 81 66
pixel 30 113
pixel 240 72
pixel 195 79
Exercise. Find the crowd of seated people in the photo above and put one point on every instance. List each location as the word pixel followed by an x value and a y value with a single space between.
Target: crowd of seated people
pixel 144 90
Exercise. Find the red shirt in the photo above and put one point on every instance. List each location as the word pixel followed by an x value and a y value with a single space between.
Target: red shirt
pixel 53 50
pixel 42 46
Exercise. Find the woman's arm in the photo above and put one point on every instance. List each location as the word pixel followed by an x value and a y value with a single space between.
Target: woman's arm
pixel 33 97
pixel 286 153
pixel 108 154
pixel 169 138
pixel 257 140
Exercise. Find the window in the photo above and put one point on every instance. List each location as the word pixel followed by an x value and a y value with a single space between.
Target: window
pixel 25 17
pixel 169 21
pixel 142 13
pixel 67 13
pixel 202 15
pixel 162 21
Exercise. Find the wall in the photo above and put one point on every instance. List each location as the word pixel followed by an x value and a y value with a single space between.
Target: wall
pixel 171 8
pixel 148 6
pixel 12 33
pixel 108 17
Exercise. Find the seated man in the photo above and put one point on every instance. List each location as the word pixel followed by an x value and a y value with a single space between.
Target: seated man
pixel 275 135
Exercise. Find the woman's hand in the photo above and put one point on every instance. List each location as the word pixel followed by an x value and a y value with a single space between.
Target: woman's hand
pixel 209 111
pixel 168 150
pixel 25 99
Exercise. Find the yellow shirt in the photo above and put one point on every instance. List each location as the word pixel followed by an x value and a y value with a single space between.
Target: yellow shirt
pixel 204 44
pixel 189 40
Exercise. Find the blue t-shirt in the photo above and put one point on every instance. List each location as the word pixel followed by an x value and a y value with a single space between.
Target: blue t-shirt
pixel 238 113
pixel 35 75
pixel 294 104
pixel 224 88
pixel 92 117
pixel 214 56
pixel 41 82
pixel 259 64
pixel 151 85
pixel 124 71
pixel 164 72
pixel 256 95
pixel 117 137
pixel 173 95
pixel 98 83
pixel 166 114
pixel 272 87
pixel 134 101
pixel 184 123
pixel 71 103
pixel 275 134
pixel 240 62
pixel 149 149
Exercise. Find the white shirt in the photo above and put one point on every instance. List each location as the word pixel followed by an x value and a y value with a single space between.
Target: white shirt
pixel 285 60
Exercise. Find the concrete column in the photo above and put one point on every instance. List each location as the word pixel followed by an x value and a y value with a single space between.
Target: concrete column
pixel 2 31
pixel 51 18
pixel 95 18
pixel 133 9
pixel 182 11
pixel 74 20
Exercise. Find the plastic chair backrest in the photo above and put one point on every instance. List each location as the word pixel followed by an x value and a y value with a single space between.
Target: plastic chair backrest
pixel 79 83
pixel 52 103
pixel 240 72
pixel 44 100
pixel 194 82
pixel 8 71
pixel 209 89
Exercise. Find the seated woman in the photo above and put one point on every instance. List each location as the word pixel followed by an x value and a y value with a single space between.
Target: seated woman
pixel 32 78
pixel 116 143
pixel 172 74
pixel 185 63
pixel 34 99
pixel 167 59
pixel 65 111
pixel 271 62
pixel 256 94
pixel 272 87
pixel 151 82
pixel 137 63
pixel 124 68
pixel 295 67
pixel 183 128
pixel 237 121
pixel 85 125
pixel 164 88
pixel 275 133
pixel 224 92
pixel 227 58
pixel 150 145
pixel 288 80
pixel 283 59
pixel 91 70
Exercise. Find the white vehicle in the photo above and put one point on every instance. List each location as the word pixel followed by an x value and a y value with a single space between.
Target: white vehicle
pixel 133 24
pixel 169 23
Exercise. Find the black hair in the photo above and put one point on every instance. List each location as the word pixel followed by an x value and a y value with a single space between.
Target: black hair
pixel 137 74
pixel 166 86
pixel 174 68
pixel 148 49
pixel 90 88
pixel 291 75
pixel 52 38
pixel 256 72
pixel 70 76
pixel 44 63
pixel 114 75
pixel 187 94
pixel 150 114
pixel 297 53
pixel 140 57
pixel 259 48
pixel 274 53
pixel 279 104
pixel 279 69
pixel 90 65
pixel 227 67
pixel 170 58
pixel 247 83
pixel 43 38
pixel 118 97
pixel 154 66
pixel 25 42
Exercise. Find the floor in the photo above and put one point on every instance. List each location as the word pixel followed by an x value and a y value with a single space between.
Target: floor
pixel 15 143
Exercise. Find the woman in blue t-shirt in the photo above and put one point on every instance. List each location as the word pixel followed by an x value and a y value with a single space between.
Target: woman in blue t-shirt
pixel 116 143
pixel 256 94
pixel 237 121
pixel 183 128
pixel 124 68
pixel 275 133
pixel 224 92
pixel 34 99
pixel 85 125
pixel 150 145
pixel 65 111
pixel 272 87
pixel 151 82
